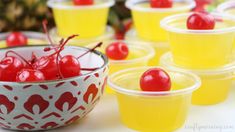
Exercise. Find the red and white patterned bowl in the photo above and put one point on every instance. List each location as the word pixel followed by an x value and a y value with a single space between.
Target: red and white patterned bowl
pixel 52 104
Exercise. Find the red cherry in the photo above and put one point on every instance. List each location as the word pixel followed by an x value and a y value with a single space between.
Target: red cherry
pixel 29 75
pixel 83 2
pixel 48 66
pixel 201 21
pixel 155 79
pixel 69 66
pixel 16 39
pixel 117 51
pixel 9 66
pixel 161 3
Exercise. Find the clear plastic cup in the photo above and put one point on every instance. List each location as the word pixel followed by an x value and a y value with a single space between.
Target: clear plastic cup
pixel 147 19
pixel 34 38
pixel 139 55
pixel 159 47
pixel 153 111
pixel 228 8
pixel 200 48
pixel 216 83
pixel 88 21
pixel 106 36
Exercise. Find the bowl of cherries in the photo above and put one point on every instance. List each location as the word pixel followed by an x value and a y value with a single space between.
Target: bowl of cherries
pixel 49 86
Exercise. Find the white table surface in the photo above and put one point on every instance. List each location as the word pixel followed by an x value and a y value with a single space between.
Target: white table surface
pixel 105 118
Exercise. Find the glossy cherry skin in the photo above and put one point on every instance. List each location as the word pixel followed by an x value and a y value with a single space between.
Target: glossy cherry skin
pixel 155 79
pixel 117 51
pixel 16 39
pixel 29 75
pixel 69 66
pixel 48 66
pixel 161 3
pixel 9 67
pixel 83 2
pixel 201 21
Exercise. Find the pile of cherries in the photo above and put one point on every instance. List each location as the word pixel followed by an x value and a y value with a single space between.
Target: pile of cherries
pixel 15 68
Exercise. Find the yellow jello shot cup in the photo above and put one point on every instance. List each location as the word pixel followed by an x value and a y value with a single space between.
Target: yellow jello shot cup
pixel 159 47
pixel 153 111
pixel 215 82
pixel 87 21
pixel 139 55
pixel 77 41
pixel 147 19
pixel 200 49
pixel 228 8
pixel 33 38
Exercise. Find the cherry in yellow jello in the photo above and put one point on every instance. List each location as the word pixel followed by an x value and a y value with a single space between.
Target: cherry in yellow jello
pixel 153 111
pixel 199 40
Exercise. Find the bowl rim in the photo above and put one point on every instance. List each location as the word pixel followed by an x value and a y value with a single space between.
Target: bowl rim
pixel 130 4
pixel 107 3
pixel 104 57
pixel 165 25
pixel 166 60
pixel 119 89
pixel 225 5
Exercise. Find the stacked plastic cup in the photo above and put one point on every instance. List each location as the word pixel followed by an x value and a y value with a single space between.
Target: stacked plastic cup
pixel 207 53
pixel 88 21
pixel 147 23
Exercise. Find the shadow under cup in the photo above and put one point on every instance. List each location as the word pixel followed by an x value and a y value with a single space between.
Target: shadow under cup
pixel 153 111
pixel 200 49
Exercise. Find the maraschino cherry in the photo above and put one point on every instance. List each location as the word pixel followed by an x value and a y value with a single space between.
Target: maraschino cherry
pixel 9 66
pixel 16 39
pixel 117 51
pixel 29 75
pixel 155 79
pixel 161 3
pixel 83 2
pixel 201 21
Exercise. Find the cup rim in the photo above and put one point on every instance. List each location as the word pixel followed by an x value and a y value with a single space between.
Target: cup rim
pixel 165 25
pixel 109 33
pixel 131 35
pixel 29 34
pixel 130 4
pixel 166 60
pixel 149 93
pixel 51 4
pixel 149 55
pixel 105 59
pixel 225 5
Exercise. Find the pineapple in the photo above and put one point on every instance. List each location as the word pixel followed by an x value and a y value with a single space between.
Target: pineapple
pixel 23 15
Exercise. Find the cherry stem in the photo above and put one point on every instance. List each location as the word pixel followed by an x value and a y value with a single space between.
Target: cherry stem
pixel 89 69
pixel 44 23
pixel 63 43
pixel 18 55
pixel 90 50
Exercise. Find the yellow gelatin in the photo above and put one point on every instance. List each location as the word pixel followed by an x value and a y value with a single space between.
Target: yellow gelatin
pixel 147 19
pixel 34 38
pixel 159 47
pixel 200 48
pixel 139 55
pixel 216 83
pixel 77 41
pixel 228 9
pixel 87 21
pixel 153 111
